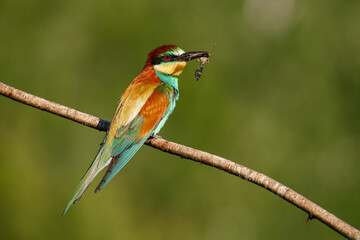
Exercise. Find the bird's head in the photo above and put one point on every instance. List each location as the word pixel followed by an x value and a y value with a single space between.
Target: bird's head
pixel 171 60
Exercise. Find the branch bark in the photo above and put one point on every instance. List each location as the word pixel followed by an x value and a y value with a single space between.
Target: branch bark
pixel 314 210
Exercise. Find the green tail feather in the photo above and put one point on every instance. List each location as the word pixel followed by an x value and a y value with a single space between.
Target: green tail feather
pixel 89 176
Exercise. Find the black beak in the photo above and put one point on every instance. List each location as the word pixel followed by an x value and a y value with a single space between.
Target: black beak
pixel 192 55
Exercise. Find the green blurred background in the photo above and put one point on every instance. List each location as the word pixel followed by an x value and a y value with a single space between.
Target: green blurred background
pixel 281 95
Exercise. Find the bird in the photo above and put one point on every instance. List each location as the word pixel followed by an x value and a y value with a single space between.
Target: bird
pixel 141 112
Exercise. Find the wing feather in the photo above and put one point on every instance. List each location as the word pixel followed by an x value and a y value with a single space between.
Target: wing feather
pixel 130 104
pixel 131 137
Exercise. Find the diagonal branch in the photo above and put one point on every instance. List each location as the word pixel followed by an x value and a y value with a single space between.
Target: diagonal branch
pixel 314 210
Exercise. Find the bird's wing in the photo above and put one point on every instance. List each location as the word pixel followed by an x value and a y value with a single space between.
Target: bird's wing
pixel 131 137
pixel 122 134
pixel 129 106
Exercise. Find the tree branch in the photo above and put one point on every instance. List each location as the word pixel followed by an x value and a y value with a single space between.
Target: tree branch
pixel 314 210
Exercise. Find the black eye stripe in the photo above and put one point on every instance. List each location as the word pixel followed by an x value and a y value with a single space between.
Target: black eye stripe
pixel 158 60
pixel 168 58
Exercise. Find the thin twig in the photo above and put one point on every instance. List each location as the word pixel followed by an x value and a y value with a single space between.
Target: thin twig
pixel 314 210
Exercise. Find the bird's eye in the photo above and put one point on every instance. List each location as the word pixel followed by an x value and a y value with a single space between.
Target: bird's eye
pixel 167 57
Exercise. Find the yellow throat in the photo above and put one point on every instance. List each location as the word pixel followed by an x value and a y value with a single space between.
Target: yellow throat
pixel 171 68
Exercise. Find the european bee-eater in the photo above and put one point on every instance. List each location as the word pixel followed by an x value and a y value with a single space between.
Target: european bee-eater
pixel 141 112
